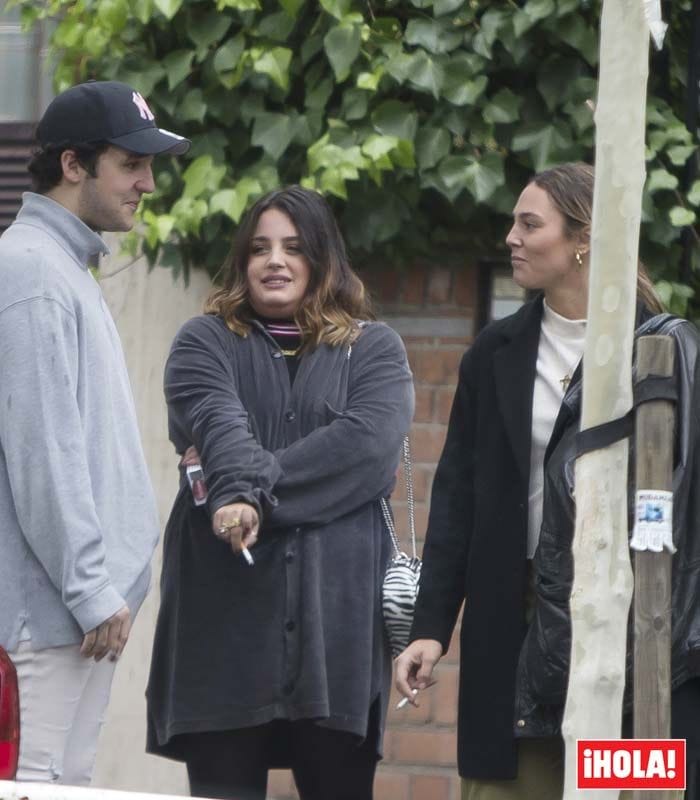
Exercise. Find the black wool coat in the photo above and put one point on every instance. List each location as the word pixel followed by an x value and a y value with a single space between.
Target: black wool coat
pixel 475 546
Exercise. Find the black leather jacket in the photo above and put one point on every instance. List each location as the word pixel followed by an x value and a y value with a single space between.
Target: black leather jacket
pixel 543 666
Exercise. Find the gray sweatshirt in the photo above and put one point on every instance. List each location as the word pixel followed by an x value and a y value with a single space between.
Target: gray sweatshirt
pixel 78 519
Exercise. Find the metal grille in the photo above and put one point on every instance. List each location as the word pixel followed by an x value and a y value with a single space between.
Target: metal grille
pixel 16 141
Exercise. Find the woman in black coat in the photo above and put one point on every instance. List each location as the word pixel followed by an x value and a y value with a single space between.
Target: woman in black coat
pixel 486 505
pixel 270 649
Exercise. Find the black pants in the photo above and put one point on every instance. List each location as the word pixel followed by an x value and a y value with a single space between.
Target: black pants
pixel 326 764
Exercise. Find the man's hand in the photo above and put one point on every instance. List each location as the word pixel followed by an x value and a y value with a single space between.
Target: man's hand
pixel 237 524
pixel 109 637
pixel 414 667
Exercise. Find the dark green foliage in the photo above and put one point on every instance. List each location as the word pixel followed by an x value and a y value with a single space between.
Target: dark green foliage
pixel 422 119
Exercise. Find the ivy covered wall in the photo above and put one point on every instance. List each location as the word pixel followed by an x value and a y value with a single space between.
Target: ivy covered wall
pixel 421 119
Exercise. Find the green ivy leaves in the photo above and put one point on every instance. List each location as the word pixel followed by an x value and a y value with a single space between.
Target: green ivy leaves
pixel 480 177
pixel 274 132
pixel 434 36
pixel 168 8
pixel 422 119
pixel 342 46
pixel 233 202
pixel 275 63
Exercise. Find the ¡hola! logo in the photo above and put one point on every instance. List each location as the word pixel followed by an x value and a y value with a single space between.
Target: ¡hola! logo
pixel 630 764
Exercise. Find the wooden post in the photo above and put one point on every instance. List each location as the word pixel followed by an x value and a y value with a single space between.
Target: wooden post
pixel 652 583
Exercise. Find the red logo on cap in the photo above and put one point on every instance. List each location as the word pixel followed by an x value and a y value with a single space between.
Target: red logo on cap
pixel 142 106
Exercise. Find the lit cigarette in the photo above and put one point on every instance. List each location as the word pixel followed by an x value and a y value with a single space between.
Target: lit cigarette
pixel 403 703
pixel 247 556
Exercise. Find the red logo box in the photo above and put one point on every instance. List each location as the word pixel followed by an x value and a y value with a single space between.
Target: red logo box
pixel 630 764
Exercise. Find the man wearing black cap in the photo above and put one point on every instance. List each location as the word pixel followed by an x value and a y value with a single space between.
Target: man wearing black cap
pixel 103 121
pixel 78 519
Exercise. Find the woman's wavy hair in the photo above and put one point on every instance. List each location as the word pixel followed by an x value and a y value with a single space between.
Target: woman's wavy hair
pixel 335 299
pixel 570 188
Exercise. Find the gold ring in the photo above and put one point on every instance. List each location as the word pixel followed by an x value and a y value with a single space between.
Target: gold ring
pixel 233 524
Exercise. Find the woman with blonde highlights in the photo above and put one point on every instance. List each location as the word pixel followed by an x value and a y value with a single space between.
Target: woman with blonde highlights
pixel 502 509
pixel 289 406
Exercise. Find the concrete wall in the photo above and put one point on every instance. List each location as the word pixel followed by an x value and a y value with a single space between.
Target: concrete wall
pixel 148 309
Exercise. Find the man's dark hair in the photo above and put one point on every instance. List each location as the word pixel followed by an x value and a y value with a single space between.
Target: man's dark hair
pixel 45 164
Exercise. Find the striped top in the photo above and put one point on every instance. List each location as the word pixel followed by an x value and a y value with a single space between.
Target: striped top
pixel 287 335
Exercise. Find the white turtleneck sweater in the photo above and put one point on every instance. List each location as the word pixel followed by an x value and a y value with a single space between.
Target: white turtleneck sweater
pixel 559 352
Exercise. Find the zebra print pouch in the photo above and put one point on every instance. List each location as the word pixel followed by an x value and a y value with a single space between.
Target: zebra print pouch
pixel 400 587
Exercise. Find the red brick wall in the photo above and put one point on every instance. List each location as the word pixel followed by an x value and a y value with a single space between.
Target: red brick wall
pixel 434 311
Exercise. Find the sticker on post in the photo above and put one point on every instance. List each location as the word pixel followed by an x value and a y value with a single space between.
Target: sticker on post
pixel 653 521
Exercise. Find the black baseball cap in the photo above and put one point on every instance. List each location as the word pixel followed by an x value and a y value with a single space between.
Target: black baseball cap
pixel 106 111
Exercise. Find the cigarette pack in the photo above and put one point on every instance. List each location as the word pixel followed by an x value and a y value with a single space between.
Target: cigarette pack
pixel 195 478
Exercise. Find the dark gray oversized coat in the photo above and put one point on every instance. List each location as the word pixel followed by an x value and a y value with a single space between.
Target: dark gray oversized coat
pixel 300 634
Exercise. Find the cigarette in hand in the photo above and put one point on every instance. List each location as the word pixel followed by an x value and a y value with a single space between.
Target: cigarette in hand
pixel 403 703
pixel 246 554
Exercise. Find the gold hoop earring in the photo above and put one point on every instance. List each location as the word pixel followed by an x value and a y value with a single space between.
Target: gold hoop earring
pixel 579 260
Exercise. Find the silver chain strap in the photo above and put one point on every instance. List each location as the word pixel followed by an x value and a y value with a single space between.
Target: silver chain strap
pixel 386 512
